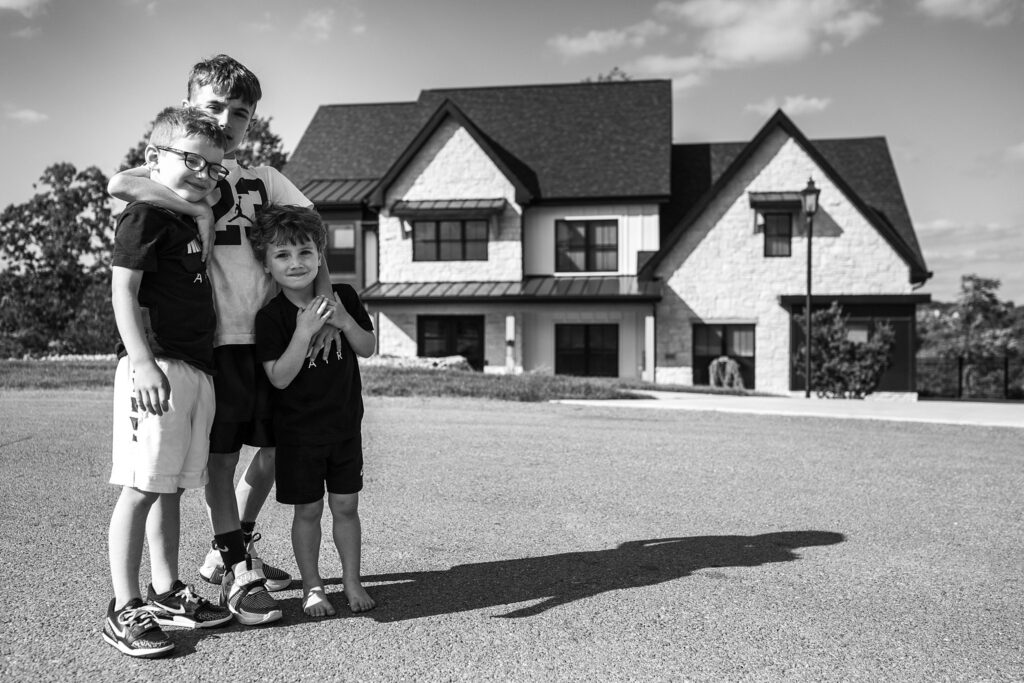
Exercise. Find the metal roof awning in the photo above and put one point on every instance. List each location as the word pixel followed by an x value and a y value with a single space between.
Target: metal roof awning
pixel 790 300
pixel 775 200
pixel 455 208
pixel 547 289
pixel 350 191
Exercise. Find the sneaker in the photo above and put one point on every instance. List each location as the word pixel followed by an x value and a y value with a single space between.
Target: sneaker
pixel 134 631
pixel 212 570
pixel 243 592
pixel 180 606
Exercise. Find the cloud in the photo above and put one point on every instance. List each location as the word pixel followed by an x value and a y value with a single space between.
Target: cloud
pixel 740 32
pixel 793 105
pixel 599 42
pixel 28 8
pixel 985 12
pixel 1015 153
pixel 26 116
pixel 318 24
pixel 955 248
pixel 27 33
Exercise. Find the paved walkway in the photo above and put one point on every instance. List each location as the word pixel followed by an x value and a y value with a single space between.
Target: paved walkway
pixel 942 412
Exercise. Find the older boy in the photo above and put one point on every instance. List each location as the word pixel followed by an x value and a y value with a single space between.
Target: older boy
pixel 163 392
pixel 319 400
pixel 228 91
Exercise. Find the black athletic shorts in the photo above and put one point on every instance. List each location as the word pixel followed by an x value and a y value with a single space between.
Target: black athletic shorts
pixel 302 471
pixel 244 400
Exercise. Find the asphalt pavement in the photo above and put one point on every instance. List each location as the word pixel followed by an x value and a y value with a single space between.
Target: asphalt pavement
pixel 545 542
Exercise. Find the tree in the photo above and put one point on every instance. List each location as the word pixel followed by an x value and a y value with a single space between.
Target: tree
pixel 840 367
pixel 260 147
pixel 55 248
pixel 616 74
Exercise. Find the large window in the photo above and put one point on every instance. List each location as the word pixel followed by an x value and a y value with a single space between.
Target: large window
pixel 449 240
pixel 778 234
pixel 713 341
pixel 587 350
pixel 586 246
pixel 451 335
pixel 341 247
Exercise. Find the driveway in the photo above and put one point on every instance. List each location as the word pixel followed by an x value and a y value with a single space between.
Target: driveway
pixel 538 542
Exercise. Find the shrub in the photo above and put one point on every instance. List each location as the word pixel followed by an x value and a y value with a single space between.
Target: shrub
pixel 841 368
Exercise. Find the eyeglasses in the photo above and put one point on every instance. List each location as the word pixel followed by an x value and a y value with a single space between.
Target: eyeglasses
pixel 197 162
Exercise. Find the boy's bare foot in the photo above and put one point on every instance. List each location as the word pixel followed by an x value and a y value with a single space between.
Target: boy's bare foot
pixel 316 604
pixel 358 599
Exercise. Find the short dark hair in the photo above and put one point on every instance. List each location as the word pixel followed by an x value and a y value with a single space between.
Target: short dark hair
pixel 286 225
pixel 227 76
pixel 174 123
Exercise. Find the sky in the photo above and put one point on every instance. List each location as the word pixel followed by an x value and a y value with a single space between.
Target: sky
pixel 939 79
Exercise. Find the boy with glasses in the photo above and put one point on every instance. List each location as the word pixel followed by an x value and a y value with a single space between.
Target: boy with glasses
pixel 228 91
pixel 163 389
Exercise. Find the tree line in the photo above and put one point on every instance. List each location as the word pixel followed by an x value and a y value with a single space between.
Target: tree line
pixel 55 254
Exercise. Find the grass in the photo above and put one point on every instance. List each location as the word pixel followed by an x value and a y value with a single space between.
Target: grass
pixel 378 380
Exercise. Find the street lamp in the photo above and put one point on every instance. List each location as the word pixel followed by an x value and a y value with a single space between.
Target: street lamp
pixel 809 197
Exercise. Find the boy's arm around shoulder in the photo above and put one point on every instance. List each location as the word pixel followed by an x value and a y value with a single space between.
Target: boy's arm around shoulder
pixel 283 369
pixel 135 185
pixel 152 390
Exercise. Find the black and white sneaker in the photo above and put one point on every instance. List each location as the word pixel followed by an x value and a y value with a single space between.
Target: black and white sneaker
pixel 213 570
pixel 243 591
pixel 181 606
pixel 134 631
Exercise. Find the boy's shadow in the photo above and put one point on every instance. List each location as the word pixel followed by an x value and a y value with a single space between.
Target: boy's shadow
pixel 560 579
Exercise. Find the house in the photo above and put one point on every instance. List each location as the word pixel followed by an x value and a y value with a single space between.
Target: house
pixel 556 228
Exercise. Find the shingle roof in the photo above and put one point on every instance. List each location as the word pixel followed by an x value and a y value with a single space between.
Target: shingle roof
pixel 861 167
pixel 580 140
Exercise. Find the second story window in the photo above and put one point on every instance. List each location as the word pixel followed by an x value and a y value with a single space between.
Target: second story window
pixel 449 240
pixel 586 246
pixel 778 234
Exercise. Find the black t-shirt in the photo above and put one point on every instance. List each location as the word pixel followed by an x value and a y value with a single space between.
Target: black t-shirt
pixel 175 293
pixel 324 403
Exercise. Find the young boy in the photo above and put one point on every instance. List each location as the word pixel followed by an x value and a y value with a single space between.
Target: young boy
pixel 163 392
pixel 225 89
pixel 319 405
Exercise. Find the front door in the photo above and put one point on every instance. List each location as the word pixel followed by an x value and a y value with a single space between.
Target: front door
pixel 451 335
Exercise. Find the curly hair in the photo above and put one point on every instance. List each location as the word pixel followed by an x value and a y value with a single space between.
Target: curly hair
pixel 286 225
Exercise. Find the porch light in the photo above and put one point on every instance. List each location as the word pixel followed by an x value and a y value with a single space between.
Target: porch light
pixel 809 197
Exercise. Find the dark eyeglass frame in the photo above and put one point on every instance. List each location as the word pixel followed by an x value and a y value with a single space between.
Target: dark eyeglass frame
pixel 197 162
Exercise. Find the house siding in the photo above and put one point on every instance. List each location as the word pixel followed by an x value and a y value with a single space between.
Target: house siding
pixel 451 165
pixel 717 273
pixel 638 231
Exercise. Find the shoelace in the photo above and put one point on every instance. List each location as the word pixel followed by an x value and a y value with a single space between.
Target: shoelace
pixel 139 615
pixel 189 596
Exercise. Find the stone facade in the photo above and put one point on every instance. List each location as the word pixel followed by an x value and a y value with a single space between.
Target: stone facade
pixel 718 274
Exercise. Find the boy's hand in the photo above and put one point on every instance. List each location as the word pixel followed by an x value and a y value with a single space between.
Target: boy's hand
pixel 322 340
pixel 310 319
pixel 340 318
pixel 152 390
pixel 205 223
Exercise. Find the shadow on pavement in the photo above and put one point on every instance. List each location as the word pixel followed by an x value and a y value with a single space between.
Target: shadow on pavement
pixel 561 579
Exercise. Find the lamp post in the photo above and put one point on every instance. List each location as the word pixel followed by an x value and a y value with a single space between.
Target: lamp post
pixel 809 197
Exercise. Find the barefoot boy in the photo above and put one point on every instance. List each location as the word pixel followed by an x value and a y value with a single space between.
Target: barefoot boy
pixel 228 91
pixel 163 392
pixel 319 405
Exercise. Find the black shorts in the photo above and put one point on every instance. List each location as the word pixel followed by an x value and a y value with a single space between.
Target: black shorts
pixel 244 400
pixel 302 471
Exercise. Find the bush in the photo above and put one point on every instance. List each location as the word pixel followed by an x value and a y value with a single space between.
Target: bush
pixel 841 368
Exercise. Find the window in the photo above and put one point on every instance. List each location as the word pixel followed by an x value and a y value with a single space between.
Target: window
pixel 778 234
pixel 451 335
pixel 449 240
pixel 858 332
pixel 586 246
pixel 713 341
pixel 341 247
pixel 587 350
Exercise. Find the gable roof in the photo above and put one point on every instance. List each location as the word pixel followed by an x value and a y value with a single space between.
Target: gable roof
pixel 861 168
pixel 560 142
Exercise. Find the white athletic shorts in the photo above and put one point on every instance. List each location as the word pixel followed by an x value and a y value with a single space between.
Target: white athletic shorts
pixel 163 453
